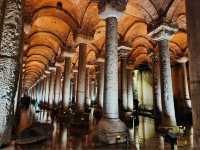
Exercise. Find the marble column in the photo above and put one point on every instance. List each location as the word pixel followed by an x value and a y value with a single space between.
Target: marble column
pixel 156 85
pixel 124 84
pixel 193 26
pixel 10 50
pixel 130 89
pixel 110 126
pixel 101 85
pixel 52 86
pixel 88 88
pixel 162 35
pixel 81 77
pixel 66 82
pixel 57 85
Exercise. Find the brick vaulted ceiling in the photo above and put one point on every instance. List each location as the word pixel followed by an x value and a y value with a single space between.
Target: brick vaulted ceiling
pixel 55 26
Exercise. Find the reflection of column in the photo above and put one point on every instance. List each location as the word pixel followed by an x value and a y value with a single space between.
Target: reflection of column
pixel 10 51
pixel 124 85
pixel 87 88
pixel 186 86
pixel 52 86
pixel 161 34
pixel 130 90
pixel 57 85
pixel 110 126
pixel 66 82
pixel 81 77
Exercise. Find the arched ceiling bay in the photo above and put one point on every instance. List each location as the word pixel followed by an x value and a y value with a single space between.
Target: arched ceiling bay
pixel 53 26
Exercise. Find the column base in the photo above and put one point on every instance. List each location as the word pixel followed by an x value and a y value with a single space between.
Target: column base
pixel 111 131
pixel 167 121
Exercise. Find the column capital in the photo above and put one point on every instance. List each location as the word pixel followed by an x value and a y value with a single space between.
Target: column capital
pixel 68 54
pixel 182 60
pixel 52 68
pixel 163 32
pixel 123 51
pixel 100 60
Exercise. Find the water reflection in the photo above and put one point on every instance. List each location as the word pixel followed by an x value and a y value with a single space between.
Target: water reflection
pixel 141 137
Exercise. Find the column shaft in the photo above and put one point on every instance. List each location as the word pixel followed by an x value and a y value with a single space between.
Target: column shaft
pixel 124 85
pixel 57 85
pixel 81 77
pixel 168 118
pixel 47 89
pixel 66 82
pixel 130 90
pixel 186 86
pixel 193 26
pixel 10 51
pixel 156 86
pixel 111 109
pixel 88 88
pixel 101 85
pixel 51 88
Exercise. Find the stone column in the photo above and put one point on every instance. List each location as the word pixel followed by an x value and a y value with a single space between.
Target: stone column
pixel 101 85
pixel 110 126
pixel 81 77
pixel 88 88
pixel 57 85
pixel 124 85
pixel 130 90
pixel 52 86
pixel 66 82
pixel 193 26
pixel 75 87
pixel 10 50
pixel 44 88
pixel 162 35
pixel 92 91
pixel 47 85
pixel 186 86
pixel 156 85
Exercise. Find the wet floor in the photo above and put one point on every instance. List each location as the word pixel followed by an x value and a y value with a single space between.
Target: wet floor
pixel 142 137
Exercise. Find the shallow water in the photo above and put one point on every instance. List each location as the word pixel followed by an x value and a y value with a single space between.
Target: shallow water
pixel 142 137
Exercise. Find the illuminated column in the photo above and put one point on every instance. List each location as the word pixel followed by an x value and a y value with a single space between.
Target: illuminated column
pixel 66 82
pixel 81 77
pixel 92 91
pixel 186 86
pixel 110 126
pixel 47 87
pixel 75 72
pixel 162 35
pixel 87 88
pixel 101 84
pixel 124 84
pixel 52 86
pixel 57 84
pixel 10 51
pixel 130 89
